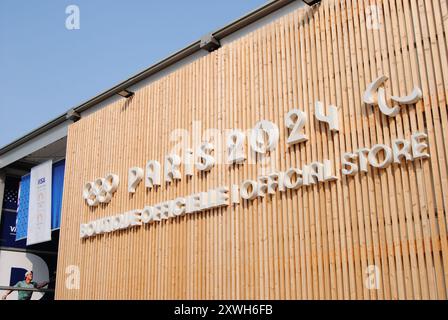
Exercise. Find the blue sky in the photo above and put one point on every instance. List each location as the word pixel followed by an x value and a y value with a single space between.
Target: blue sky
pixel 46 69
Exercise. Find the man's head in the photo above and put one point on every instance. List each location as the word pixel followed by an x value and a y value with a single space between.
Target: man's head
pixel 29 276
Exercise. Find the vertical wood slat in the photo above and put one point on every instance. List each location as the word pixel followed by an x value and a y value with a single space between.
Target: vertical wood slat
pixel 311 243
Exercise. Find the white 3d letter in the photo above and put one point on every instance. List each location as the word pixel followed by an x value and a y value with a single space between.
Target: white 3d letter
pixel 249 190
pixel 295 120
pixel 332 119
pixel 235 147
pixel 188 158
pixel 401 148
pixel 264 137
pixel 152 174
pixel 134 177
pixel 172 163
pixel 349 167
pixel 388 157
pixel 380 99
pixel 369 96
pixel 418 147
pixel 382 104
pixel 206 161
pixel 102 195
pixel 413 98
pixel 111 183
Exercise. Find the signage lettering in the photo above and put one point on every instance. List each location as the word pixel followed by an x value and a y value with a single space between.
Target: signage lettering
pixel 262 139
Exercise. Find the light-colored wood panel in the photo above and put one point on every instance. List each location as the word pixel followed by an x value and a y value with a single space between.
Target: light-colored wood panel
pixel 316 242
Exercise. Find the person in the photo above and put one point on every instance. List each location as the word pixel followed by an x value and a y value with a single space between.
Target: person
pixel 27 283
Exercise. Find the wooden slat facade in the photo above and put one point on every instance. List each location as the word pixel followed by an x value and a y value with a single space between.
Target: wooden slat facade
pixel 312 243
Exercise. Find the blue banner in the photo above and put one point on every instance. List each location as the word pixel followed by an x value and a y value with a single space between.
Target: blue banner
pixel 10 196
pixel 8 231
pixel 56 194
pixel 56 202
pixel 9 215
pixel 22 212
